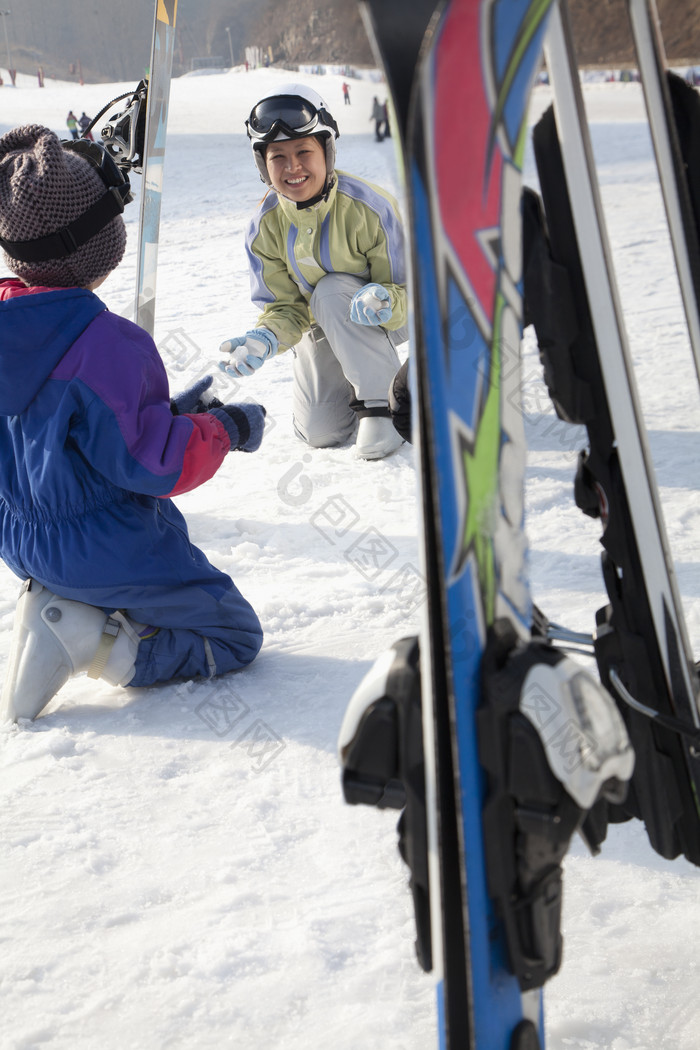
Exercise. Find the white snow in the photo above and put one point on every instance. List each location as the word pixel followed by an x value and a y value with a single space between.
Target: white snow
pixel 178 866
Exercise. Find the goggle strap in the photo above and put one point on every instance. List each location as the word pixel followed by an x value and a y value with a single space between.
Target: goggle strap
pixel 329 121
pixel 67 240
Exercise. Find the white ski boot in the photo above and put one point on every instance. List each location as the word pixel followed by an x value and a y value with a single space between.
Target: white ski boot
pixel 376 435
pixel 53 639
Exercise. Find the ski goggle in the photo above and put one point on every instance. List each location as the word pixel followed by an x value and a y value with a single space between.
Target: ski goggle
pixel 290 114
pixel 75 234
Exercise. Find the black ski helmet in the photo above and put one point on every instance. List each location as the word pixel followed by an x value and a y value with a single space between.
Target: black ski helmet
pixel 294 111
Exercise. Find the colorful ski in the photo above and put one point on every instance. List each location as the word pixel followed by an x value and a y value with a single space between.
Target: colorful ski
pixel 464 188
pixel 153 159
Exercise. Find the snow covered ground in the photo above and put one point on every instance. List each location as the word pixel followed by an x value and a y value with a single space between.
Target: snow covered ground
pixel 178 868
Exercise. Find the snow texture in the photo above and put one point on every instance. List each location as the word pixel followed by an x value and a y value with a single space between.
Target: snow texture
pixel 178 866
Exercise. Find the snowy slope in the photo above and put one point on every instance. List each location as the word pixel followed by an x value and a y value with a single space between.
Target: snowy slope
pixel 178 868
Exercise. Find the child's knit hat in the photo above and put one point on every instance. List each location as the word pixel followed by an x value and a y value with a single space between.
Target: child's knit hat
pixel 43 188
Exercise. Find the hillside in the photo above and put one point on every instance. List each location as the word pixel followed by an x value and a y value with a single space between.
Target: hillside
pixel 601 30
pixel 109 42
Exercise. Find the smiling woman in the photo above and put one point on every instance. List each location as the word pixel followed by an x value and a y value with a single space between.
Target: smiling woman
pixel 297 168
pixel 326 259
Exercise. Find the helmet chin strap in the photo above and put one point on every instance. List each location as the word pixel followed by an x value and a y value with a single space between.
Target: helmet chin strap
pixel 322 196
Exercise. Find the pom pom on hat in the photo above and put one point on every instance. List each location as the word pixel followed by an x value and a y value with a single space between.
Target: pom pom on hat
pixel 43 188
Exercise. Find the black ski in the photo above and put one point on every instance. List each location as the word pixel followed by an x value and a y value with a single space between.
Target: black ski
pixel 641 644
pixel 673 109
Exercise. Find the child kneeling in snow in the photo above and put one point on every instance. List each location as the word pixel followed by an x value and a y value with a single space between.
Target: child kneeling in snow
pixel 91 447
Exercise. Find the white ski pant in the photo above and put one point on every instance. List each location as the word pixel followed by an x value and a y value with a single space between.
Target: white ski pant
pixel 340 365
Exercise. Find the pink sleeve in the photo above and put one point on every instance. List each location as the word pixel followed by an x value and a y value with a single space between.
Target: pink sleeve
pixel 204 453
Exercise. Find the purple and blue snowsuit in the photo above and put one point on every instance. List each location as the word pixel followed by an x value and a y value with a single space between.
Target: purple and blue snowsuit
pixel 89 453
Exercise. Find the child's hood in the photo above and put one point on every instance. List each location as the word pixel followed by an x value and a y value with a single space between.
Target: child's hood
pixel 37 327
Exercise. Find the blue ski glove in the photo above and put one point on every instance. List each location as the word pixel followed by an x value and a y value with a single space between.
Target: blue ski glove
pixel 371 305
pixel 248 351
pixel 244 423
pixel 195 399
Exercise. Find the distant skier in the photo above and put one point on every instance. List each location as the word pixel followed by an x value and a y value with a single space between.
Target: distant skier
pixel 377 115
pixel 386 130
pixel 346 93
pixel 84 124
pixel 326 254
pixel 91 449
pixel 72 124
